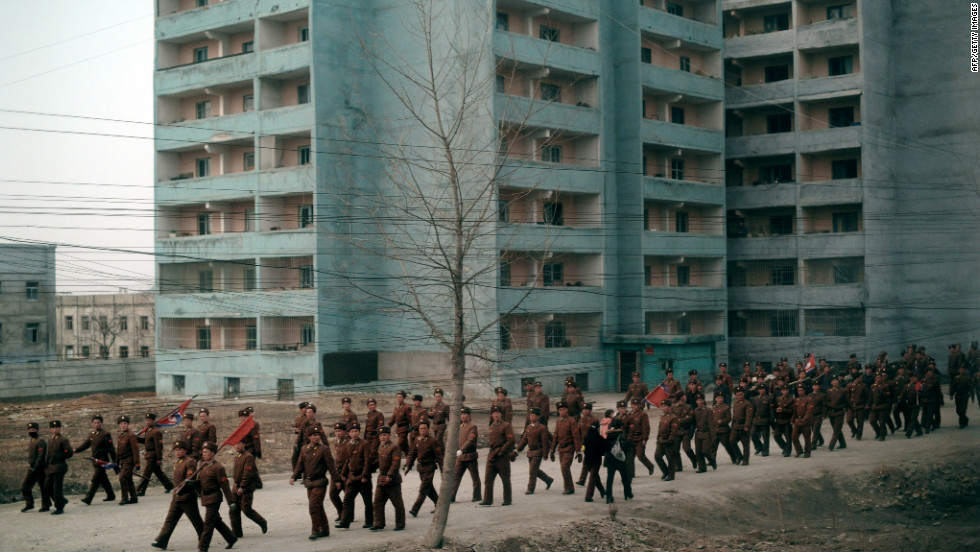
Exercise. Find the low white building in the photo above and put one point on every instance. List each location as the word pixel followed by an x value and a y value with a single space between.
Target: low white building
pixel 105 326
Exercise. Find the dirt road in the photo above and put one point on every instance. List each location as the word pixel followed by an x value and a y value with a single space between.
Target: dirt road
pixel 910 494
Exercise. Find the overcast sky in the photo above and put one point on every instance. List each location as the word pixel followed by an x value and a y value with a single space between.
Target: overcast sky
pixel 82 70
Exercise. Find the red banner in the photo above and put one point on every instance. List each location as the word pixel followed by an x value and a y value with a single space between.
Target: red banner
pixel 244 429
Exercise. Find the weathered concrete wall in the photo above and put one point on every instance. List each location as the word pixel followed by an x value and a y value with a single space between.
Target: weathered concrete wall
pixel 48 380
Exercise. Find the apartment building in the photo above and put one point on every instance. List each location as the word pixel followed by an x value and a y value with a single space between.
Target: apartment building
pixel 610 239
pixel 27 298
pixel 107 326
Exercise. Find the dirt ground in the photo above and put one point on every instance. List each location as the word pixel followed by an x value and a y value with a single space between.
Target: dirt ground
pixel 899 495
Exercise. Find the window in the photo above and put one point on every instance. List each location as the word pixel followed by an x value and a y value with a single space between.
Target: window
pixel 554 335
pixel 202 3
pixel 503 210
pixel 251 338
pixel 178 384
pixel 204 337
pixel 683 325
pixel 783 324
pixel 307 334
pixel 203 109
pixel 504 336
pixel 682 221
pixel 783 275
pixel 554 213
pixel 780 122
pixel 248 102
pixel 303 94
pixel 550 92
pixel 31 332
pixel 144 351
pixel 845 274
pixel 683 275
pixel 677 168
pixel 685 63
pixel 503 21
pixel 69 352
pixel 248 161
pixel 500 84
pixel 774 174
pixel 843 168
pixel 103 322
pixel 250 220
pixel 200 54
pixel 250 281
pixel 776 22
pixel 677 115
pixel 86 323
pixel 553 274
pixel 646 55
pixel 306 276
pixel 839 12
pixel 776 73
pixel 675 9
pixel 840 116
pixel 123 352
pixel 284 390
pixel 203 167
pixel 551 34
pixel 103 352
pixel 124 323
pixel 205 281
pixel 248 47
pixel 304 155
pixel 304 34
pixel 86 351
pixel 145 323
pixel 203 224
pixel 305 215
pixel 69 322
pixel 504 273
pixel 843 65
pixel 233 388
pixel 780 225
pixel 551 154
pixel 32 290
pixel 846 222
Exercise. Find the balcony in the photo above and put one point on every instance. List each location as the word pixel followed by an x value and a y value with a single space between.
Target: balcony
pixel 830 139
pixel 828 87
pixel 540 113
pixel 758 45
pixel 683 190
pixel 841 244
pixel 760 94
pixel 566 10
pixel 761 196
pixel 218 247
pixel 296 302
pixel 767 247
pixel 232 69
pixel 544 237
pixel 682 243
pixel 781 143
pixel 825 35
pixel 830 192
pixel 682 136
pixel 675 81
pixel 551 299
pixel 763 297
pixel 669 26
pixel 539 175
pixel 683 298
pixel 286 180
pixel 233 127
pixel 174 24
pixel 542 53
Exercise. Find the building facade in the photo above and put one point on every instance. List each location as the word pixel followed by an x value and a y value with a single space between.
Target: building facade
pixel 27 299
pixel 109 326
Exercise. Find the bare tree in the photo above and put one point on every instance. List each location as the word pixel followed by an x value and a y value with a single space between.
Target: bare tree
pixel 105 331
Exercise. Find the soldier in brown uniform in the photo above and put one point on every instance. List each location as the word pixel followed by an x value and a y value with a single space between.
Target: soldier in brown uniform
pixel 212 481
pixel 836 406
pixel 466 455
pixel 417 416
pixel 356 474
pixel 537 439
pixel 911 401
pixel 898 385
pixel 762 417
pixel 389 485
pixel 439 416
pixel 252 440
pixel 401 420
pixel 726 378
pixel 693 388
pixel 346 414
pixel 783 418
pixel 742 418
pixel 819 401
pixel 152 440
pixel 932 397
pixel 372 423
pixel 187 433
pixel 530 399
pixel 427 451
pixel 543 403
pixel 37 452
pixel 721 416
pixel 298 432
pixel 127 457
pixel 685 415
pixel 674 389
pixel 573 398
pixel 314 465
pixel 245 476
pixel 802 422
pixel 499 457
pixel 638 432
pixel 341 452
pixel 206 431
pixel 668 433
pixel 102 449
pixel 584 422
pixel 303 437
pixel 568 442
pixel 857 403
pixel 881 405
pixel 636 390
pixel 961 391
pixel 703 436
pixel 505 405
pixel 59 451
pixel 184 501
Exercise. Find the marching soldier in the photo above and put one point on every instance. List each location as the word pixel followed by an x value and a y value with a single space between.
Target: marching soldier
pixel 372 424
pixel 898 385
pixel 427 451
pixel 245 476
pixel 961 391
pixel 726 378
pixel 356 475
pixel 685 415
pixel 347 415
pixel 722 390
pixel 668 433
pixel 703 435
pixel 504 403
pixel 466 455
pixel 857 402
pixel 638 433
pixel 802 422
pixel 721 416
pixel 584 423
pixel 37 453
pixel 593 448
pixel 128 457
pixel 932 397
pixel 152 440
pixel 341 452
pixel 836 406
pixel 59 451
pixel 212 480
pixel 530 398
pixel 762 405
pixel 573 398
pixel 252 441
pixel 299 432
pixel 418 415
pixel 783 418
pixel 439 415
pixel 636 390
pixel 102 449
pixel 881 405
pixel 537 439
pixel 693 388
pixel 674 389
pixel 389 485
pixel 187 434
pixel 315 463
pixel 206 432
pixel 819 401
pixel 912 400
pixel 543 403
pixel 184 501
pixel 401 420
pixel 742 415
pixel 568 443
pixel 499 457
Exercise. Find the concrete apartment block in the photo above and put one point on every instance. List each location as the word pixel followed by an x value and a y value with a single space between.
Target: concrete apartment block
pixel 27 299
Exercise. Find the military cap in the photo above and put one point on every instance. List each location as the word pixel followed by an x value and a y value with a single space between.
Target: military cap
pixel 587 406
pixel 97 417
pixel 303 405
pixel 341 426
pixel 416 397
pixel 561 404
pixel 424 422
pixel 636 401
pixel 345 400
pixel 204 411
pixel 853 355
pixel 250 409
pixel 669 371
pixel 33 425
pixel 537 384
pixel 722 364
pixel 740 389
pixel 213 447
pixel 699 396
pixel 465 410
pixel 719 377
pixel 243 413
pixel 799 363
pixel 189 416
pixel 122 419
pixel 151 416
pixel 570 383
pixel 496 408
pixel 314 430
pixel 869 366
pixel 822 359
pixel 311 406
pixel 384 429
pixel 371 400
pixel 636 375
pixel 178 444
pixel 500 391
pixel 758 363
pixel 620 404
pixel 438 391
pixel 534 410
pixel 746 363
pixel 353 425
pixel 402 393
pixel 784 359
pixel 665 402
pixel 692 372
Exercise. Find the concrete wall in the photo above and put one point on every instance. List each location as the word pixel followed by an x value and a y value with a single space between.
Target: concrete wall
pixel 49 380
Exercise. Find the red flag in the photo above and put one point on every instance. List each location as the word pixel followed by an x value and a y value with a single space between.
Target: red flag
pixel 171 419
pixel 244 429
pixel 810 365
pixel 658 395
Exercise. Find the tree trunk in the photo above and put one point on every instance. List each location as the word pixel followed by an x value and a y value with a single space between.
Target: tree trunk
pixel 433 539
